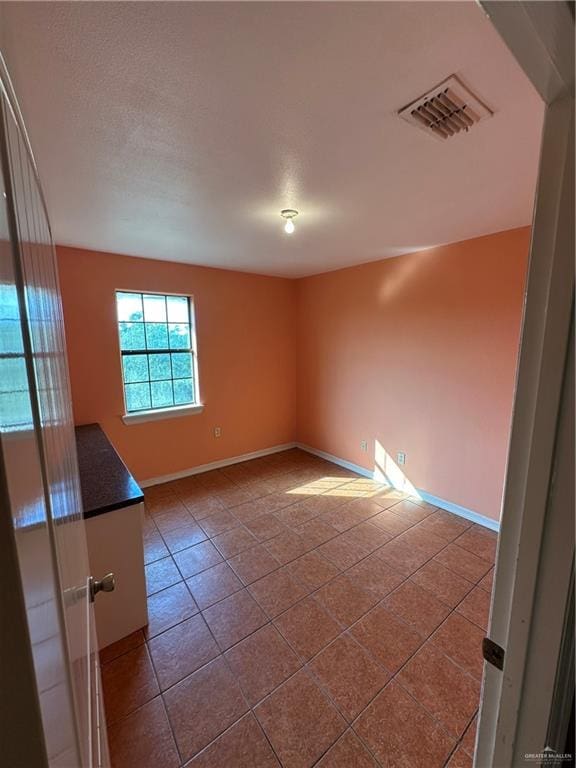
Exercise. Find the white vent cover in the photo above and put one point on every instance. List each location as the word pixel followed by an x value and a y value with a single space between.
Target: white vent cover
pixel 446 110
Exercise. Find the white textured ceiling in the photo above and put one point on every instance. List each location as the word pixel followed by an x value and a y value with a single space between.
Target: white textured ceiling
pixel 179 130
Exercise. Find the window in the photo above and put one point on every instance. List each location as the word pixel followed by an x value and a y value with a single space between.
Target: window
pixel 157 344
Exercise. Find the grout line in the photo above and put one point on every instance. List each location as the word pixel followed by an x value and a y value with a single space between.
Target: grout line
pixel 105 663
pixel 172 731
pixel 341 572
pixel 365 745
pixel 461 739
pixel 163 693
pixel 399 682
pixel 327 691
pixel 304 665
pixel 251 707
pixel 311 595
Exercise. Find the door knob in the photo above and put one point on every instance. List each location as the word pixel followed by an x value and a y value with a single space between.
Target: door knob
pixel 105 584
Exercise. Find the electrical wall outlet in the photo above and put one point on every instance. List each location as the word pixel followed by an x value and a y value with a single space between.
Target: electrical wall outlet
pixel 401 457
pixel 364 446
pixel 217 431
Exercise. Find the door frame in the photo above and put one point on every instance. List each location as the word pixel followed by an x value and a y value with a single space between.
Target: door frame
pixel 536 544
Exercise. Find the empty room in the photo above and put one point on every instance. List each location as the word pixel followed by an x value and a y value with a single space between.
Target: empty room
pixel 286 359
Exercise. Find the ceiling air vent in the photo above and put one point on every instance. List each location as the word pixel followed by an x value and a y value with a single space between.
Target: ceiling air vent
pixel 446 110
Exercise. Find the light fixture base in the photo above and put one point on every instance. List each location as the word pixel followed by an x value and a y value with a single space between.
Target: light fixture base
pixel 289 213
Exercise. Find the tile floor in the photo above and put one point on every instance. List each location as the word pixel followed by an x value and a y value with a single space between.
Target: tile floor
pixel 301 615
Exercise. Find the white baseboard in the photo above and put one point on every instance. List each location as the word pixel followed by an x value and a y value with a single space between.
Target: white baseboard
pixel 449 506
pixel 335 460
pixel 215 465
pixel 456 509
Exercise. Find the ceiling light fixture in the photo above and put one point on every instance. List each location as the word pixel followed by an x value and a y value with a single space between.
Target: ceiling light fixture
pixel 289 214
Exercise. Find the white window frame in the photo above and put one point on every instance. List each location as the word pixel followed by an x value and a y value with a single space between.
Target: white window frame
pixel 172 411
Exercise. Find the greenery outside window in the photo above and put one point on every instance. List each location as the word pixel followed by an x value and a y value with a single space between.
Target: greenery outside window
pixel 157 345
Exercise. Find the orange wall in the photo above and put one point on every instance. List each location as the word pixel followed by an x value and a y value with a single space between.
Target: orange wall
pixel 419 353
pixel 246 355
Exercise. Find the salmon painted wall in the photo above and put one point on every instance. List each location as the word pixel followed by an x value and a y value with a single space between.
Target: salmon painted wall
pixel 417 354
pixel 414 354
pixel 246 358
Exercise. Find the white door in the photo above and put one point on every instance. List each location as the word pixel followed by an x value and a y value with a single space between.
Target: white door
pixel 39 456
pixel 536 544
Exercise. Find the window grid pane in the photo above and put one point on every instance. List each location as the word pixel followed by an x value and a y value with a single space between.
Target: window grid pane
pixel 155 333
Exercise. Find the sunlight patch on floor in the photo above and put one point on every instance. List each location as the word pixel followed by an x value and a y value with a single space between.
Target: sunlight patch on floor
pixel 344 487
pixel 316 487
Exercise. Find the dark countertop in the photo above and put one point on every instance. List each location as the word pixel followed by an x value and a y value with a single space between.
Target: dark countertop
pixel 105 481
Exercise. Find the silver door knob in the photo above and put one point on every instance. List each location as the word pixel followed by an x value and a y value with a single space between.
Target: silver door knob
pixel 105 584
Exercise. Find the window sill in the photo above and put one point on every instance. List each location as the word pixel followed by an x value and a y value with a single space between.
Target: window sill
pixel 158 414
